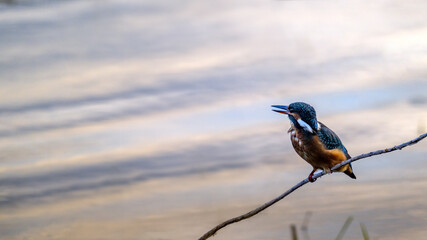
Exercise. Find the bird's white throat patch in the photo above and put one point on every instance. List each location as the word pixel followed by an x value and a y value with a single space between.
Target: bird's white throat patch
pixel 305 125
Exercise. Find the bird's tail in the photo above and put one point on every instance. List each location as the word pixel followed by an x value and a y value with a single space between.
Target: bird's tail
pixel 349 171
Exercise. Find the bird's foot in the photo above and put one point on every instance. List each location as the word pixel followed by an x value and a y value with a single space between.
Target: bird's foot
pixel 310 177
pixel 327 170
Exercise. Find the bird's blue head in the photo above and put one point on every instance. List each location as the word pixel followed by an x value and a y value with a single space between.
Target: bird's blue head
pixel 301 115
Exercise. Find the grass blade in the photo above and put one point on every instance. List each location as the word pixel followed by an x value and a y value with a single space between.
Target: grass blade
pixel 364 231
pixel 294 232
pixel 344 228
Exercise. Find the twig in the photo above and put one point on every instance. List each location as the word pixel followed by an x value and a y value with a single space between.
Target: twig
pixel 303 182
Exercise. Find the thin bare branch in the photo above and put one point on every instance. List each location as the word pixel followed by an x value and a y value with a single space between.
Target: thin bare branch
pixel 303 182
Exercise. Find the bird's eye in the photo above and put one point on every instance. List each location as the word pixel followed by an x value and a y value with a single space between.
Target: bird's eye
pixel 291 109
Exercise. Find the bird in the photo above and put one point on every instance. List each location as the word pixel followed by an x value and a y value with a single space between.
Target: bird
pixel 314 141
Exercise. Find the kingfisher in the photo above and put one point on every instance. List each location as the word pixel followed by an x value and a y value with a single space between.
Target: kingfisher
pixel 314 141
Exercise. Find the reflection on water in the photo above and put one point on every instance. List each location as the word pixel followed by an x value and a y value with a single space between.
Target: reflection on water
pixel 26 2
pixel 151 120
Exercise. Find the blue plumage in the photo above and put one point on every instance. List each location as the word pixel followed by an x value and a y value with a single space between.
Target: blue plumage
pixel 330 139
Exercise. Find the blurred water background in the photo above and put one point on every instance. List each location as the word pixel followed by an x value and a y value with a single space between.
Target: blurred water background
pixel 151 119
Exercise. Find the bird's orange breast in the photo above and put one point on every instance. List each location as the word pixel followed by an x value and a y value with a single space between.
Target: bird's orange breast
pixel 312 150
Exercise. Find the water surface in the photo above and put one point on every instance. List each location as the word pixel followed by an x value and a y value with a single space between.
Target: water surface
pixel 151 119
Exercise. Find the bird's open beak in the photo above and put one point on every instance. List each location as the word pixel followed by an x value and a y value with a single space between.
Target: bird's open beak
pixel 284 109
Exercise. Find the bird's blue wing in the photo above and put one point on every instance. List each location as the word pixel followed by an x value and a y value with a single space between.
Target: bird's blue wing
pixel 330 139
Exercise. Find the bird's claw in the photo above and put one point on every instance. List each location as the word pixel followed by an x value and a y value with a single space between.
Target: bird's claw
pixel 310 179
pixel 310 176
